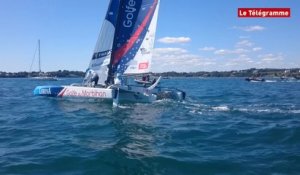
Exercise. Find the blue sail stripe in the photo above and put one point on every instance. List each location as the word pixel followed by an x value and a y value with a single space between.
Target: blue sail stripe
pixel 112 12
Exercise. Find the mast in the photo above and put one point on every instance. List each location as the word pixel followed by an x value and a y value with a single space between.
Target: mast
pixel 39 45
pixel 110 74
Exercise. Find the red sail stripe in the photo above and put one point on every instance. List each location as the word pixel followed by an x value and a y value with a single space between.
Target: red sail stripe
pixel 62 92
pixel 125 48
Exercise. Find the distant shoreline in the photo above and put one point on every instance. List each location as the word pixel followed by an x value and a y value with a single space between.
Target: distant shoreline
pixel 267 72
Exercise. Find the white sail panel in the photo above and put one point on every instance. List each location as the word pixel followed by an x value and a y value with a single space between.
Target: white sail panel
pixel 102 52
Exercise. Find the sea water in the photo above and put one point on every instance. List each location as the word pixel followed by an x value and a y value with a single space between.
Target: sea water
pixel 225 126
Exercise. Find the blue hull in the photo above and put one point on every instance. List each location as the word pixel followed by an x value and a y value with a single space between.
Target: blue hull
pixel 50 91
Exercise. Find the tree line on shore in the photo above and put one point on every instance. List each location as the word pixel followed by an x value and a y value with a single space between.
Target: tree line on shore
pixel 60 73
pixel 239 73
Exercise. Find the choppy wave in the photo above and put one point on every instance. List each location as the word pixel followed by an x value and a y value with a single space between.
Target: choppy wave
pixel 271 81
pixel 221 108
pixel 255 109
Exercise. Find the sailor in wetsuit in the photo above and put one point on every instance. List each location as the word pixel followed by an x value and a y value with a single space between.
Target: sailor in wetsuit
pixel 146 78
pixel 94 79
pixel 91 78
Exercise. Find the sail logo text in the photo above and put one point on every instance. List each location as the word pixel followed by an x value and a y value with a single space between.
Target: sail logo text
pixel 264 12
pixel 97 55
pixel 130 9
pixel 45 91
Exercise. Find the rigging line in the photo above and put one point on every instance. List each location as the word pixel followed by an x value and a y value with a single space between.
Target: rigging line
pixel 33 59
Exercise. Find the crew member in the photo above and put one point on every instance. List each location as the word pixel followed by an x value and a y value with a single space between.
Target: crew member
pixel 94 79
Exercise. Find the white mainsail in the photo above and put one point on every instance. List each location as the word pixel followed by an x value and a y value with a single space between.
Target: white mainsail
pixel 102 52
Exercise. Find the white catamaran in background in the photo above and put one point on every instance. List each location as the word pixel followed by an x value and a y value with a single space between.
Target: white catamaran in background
pixel 41 75
pixel 123 50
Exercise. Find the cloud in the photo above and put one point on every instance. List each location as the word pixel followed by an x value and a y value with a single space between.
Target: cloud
pixel 272 60
pixel 270 57
pixel 255 49
pixel 244 37
pixel 172 40
pixel 169 51
pixel 244 43
pixel 222 52
pixel 207 48
pixel 228 52
pixel 241 47
pixel 250 28
pixel 243 54
pixel 241 61
pixel 178 59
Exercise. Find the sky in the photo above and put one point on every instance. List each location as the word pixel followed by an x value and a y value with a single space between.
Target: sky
pixel 191 36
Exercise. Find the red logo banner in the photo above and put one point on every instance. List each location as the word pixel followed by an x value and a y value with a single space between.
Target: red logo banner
pixel 143 65
pixel 264 12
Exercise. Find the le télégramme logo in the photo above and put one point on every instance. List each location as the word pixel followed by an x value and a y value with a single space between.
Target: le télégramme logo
pixel 264 12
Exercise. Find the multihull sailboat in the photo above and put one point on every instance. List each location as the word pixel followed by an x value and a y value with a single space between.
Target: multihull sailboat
pixel 41 75
pixel 123 50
